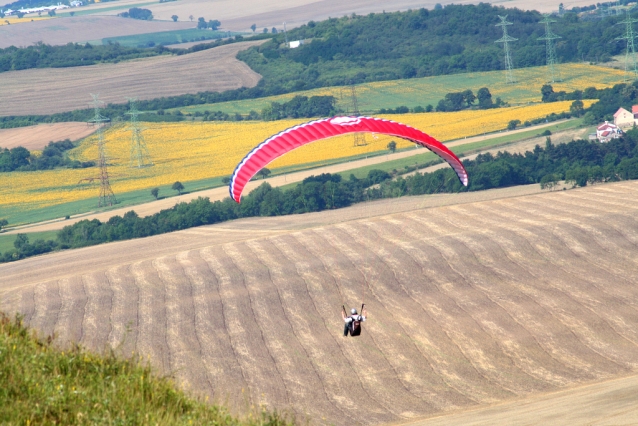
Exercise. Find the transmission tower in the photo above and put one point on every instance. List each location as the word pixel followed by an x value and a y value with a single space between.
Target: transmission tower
pixel 359 138
pixel 630 53
pixel 549 37
pixel 506 39
pixel 107 198
pixel 140 156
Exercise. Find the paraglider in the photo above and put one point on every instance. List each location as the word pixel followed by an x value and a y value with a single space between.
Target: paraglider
pixel 294 137
pixel 353 321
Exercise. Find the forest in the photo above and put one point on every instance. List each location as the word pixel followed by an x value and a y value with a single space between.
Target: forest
pixel 579 163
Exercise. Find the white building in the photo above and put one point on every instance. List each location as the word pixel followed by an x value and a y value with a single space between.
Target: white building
pixel 607 131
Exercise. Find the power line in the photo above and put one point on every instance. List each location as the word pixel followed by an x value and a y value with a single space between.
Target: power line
pixel 140 156
pixel 550 49
pixel 359 138
pixel 106 197
pixel 630 53
pixel 506 39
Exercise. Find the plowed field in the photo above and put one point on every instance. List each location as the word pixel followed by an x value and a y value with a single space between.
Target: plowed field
pixel 29 92
pixel 470 304
pixel 37 137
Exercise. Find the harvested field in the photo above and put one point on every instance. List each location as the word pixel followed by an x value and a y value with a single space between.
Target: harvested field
pixel 240 15
pixel 470 304
pixel 80 29
pixel 30 92
pixel 37 137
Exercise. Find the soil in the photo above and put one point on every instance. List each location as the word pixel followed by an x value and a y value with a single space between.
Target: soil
pixel 37 137
pixel 470 304
pixel 30 91
pixel 81 29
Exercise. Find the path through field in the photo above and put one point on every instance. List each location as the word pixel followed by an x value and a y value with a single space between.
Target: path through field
pixel 470 304
pixel 31 92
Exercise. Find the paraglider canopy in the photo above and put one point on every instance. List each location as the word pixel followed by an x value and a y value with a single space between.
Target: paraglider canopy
pixel 294 137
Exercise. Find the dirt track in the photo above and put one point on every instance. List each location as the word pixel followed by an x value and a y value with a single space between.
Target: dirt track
pixel 31 92
pixel 37 137
pixel 470 304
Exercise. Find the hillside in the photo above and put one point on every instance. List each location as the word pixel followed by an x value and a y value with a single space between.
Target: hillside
pixel 470 304
pixel 36 137
pixel 209 70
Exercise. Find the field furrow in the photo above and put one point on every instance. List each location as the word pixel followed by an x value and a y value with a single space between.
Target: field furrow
pixel 468 304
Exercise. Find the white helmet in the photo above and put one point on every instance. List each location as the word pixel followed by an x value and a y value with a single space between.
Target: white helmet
pixel 353 311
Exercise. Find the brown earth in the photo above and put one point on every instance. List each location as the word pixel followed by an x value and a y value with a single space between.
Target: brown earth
pixel 32 91
pixel 470 304
pixel 611 402
pixel 80 29
pixel 37 137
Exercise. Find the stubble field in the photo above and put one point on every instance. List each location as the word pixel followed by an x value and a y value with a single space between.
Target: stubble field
pixel 29 92
pixel 37 137
pixel 470 304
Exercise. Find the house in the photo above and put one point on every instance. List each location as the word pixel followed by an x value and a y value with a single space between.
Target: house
pixel 625 119
pixel 607 131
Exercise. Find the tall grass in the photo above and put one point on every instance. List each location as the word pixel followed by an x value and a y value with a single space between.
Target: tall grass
pixel 41 384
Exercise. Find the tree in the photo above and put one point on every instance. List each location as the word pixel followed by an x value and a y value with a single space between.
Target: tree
pixel 265 31
pixel 177 186
pixel 155 192
pixel 576 108
pixel 392 146
pixel 52 12
pixel 512 124
pixel 214 24
pixel 20 14
pixel 1 14
pixel 549 181
pixel 174 18
pixel 264 172
pixel 21 241
pixel 191 17
pixel 253 27
pixel 201 23
pixel 547 92
pixel 484 98
pixel 72 13
pixel 274 30
pixel 3 223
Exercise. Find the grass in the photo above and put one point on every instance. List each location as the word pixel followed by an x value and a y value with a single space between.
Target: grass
pixel 92 11
pixel 42 384
pixel 429 90
pixel 6 241
pixel 166 37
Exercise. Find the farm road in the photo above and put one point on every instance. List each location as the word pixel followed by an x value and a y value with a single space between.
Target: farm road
pixel 470 304
pixel 214 194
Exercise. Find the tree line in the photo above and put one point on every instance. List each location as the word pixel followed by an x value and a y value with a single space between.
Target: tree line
pixel 580 163
pixel 53 155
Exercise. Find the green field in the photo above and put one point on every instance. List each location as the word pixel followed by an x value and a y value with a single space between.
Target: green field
pixel 167 37
pixel 94 11
pixel 429 90
pixel 6 240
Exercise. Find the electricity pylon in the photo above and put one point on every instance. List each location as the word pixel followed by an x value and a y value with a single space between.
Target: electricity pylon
pixel 140 156
pixel 630 53
pixel 549 37
pixel 106 197
pixel 359 138
pixel 506 39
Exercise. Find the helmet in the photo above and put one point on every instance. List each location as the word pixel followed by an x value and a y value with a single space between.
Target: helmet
pixel 353 311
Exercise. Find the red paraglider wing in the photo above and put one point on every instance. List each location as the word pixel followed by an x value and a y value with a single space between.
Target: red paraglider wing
pixel 296 136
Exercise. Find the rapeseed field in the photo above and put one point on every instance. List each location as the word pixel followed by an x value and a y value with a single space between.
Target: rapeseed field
pixel 189 151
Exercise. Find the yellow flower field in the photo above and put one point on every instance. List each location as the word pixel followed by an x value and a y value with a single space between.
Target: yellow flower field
pixel 11 20
pixel 190 151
